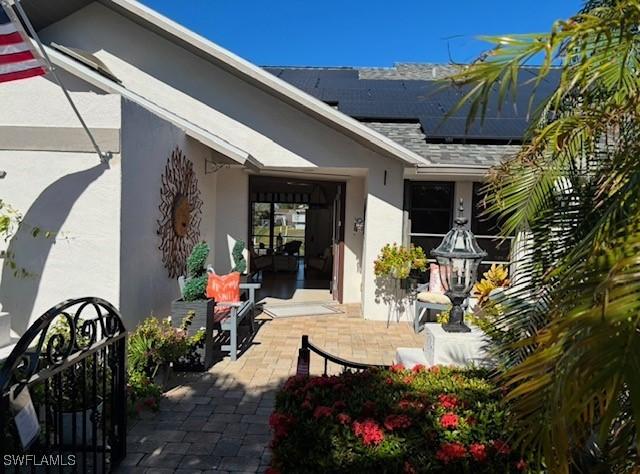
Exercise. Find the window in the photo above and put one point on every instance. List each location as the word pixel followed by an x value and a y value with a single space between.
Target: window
pixel 430 207
pixel 261 232
pixel 431 210
pixel 273 225
pixel 487 228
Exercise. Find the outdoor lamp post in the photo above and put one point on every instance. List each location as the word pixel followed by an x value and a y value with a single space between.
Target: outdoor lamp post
pixel 458 257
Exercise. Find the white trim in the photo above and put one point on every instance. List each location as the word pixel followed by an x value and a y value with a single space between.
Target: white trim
pixel 267 81
pixel 203 136
pixel 453 171
pixel 65 139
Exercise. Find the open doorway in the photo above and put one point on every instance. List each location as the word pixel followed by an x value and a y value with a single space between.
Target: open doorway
pixel 295 236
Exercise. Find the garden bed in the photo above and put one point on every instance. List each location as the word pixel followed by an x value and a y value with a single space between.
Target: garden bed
pixel 406 421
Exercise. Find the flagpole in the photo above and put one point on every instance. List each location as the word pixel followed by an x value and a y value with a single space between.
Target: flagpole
pixel 104 157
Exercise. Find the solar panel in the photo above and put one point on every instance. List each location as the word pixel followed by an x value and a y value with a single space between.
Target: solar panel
pixel 426 100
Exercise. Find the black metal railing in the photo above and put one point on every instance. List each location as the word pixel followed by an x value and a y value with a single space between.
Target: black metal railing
pixel 304 360
pixel 72 362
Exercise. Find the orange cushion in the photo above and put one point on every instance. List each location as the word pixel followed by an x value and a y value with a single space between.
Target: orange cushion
pixel 224 288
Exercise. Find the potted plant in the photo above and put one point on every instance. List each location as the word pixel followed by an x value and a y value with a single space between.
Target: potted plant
pixel 194 298
pixel 155 346
pixel 397 262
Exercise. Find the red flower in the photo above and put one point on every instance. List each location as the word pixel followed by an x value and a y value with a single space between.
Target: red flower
pixel 322 412
pixel 434 369
pixel 478 451
pixel 449 420
pixel 369 431
pixel 451 452
pixel 389 381
pixel 522 465
pixel 419 368
pixel 280 423
pixel 448 402
pixel 339 405
pixel 344 419
pixel 397 368
pixel 501 447
pixel 408 379
pixel 395 422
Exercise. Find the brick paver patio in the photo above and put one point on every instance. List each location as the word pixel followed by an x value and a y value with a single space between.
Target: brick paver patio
pixel 218 421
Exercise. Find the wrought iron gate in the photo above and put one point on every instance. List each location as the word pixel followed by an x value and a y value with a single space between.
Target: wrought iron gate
pixel 72 361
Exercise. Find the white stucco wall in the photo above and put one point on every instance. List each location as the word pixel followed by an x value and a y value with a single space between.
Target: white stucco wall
pixel 232 215
pixel 383 225
pixel 40 102
pixel 147 143
pixel 353 263
pixel 65 191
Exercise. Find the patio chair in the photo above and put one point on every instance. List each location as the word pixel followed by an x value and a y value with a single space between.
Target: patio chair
pixel 259 262
pixel 430 296
pixel 229 312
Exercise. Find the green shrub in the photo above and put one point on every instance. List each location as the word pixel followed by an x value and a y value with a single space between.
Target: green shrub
pixel 445 420
pixel 197 260
pixel 153 343
pixel 195 288
pixel 240 264
pixel 142 393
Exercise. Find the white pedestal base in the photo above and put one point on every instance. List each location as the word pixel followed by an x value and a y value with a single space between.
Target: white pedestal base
pixel 410 357
pixel 459 349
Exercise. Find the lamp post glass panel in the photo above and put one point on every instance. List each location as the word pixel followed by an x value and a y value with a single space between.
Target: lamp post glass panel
pixel 458 256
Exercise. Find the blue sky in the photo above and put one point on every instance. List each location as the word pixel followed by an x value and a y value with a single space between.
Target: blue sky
pixel 360 32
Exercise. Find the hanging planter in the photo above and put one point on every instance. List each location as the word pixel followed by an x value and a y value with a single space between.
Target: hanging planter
pixel 397 262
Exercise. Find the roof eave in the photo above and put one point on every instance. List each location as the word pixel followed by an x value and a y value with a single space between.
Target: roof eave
pixel 194 131
pixel 263 79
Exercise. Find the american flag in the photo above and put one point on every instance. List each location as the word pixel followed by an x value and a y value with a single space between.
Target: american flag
pixel 18 58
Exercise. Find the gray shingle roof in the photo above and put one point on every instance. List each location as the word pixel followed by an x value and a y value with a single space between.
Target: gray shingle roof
pixel 411 136
pixel 405 103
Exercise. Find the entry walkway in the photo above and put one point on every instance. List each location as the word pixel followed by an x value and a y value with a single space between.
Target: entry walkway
pixel 218 421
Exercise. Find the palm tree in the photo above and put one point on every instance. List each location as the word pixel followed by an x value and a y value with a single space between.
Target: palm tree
pixel 570 344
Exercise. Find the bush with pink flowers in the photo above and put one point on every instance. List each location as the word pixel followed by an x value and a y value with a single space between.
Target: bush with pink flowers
pixel 393 421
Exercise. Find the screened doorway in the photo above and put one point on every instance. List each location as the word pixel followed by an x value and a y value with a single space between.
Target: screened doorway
pixel 293 242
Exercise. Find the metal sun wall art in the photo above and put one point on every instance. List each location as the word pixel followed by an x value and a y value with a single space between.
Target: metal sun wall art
pixel 181 209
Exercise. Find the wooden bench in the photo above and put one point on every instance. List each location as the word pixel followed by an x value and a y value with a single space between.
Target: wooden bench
pixel 229 322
